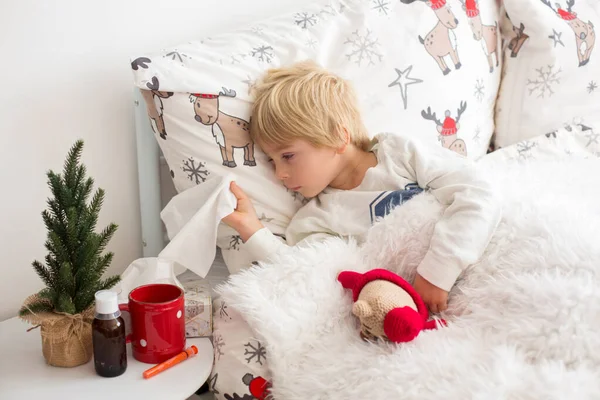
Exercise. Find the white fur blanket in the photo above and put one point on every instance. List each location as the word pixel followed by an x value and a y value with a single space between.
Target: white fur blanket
pixel 524 322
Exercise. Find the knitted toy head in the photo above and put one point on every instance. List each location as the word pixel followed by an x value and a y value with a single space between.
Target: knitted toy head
pixel 387 306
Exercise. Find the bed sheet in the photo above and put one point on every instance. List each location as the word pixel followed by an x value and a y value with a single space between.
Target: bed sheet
pixel 572 140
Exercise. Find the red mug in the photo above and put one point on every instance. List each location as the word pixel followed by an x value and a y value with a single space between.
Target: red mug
pixel 157 322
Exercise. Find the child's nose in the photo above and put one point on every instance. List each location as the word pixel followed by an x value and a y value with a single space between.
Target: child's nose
pixel 281 173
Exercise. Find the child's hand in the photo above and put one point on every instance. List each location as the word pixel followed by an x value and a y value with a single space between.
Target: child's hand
pixel 435 299
pixel 243 219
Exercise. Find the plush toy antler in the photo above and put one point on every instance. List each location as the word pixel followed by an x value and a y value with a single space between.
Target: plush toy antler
pixel 386 305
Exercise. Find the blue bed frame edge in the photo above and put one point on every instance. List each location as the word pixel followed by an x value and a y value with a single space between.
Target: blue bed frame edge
pixel 148 163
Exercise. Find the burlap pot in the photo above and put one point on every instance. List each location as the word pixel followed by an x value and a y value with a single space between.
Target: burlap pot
pixel 66 338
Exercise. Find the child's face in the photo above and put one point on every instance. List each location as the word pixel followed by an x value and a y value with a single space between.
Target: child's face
pixel 304 168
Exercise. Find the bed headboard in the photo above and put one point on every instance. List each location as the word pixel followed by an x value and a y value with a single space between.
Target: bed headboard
pixel 148 162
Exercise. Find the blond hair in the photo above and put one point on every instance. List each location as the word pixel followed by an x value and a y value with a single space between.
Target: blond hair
pixel 305 101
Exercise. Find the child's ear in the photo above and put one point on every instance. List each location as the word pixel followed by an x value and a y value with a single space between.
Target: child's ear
pixel 344 139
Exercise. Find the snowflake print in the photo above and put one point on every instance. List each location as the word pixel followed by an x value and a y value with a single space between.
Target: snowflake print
pixel 477 138
pixel 297 196
pixel 235 59
pixel 212 383
pixel 311 43
pixel 305 20
pixel 591 87
pixel 176 55
pixel 218 344
pixel 257 351
pixel 381 6
pixel 263 217
pixel 263 53
pixel 592 138
pixel 524 149
pixel 196 173
pixel 257 30
pixel 234 243
pixel 330 10
pixel 223 311
pixel 544 81
pixel 479 90
pixel 364 48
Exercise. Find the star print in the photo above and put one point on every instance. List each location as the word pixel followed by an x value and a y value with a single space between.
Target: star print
pixel 250 82
pixel 592 138
pixel 556 37
pixel 403 80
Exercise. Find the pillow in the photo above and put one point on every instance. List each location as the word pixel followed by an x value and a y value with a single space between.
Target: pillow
pixel 551 73
pixel 419 67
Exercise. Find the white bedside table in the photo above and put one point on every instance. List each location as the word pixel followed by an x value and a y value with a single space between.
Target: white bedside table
pixel 24 374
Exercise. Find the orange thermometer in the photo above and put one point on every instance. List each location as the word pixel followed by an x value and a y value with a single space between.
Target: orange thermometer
pixel 184 355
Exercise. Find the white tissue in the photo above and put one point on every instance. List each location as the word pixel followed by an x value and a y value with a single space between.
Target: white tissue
pixel 192 218
pixel 145 271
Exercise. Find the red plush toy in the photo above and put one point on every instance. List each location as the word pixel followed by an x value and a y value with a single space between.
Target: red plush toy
pixel 387 306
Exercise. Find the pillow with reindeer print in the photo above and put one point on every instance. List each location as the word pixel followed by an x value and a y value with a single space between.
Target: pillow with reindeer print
pixel 427 68
pixel 552 70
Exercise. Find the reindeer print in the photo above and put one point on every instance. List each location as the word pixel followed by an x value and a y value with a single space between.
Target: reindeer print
pixel 441 40
pixel 154 106
pixel 585 36
pixel 140 62
pixel 449 128
pixel 259 387
pixel 517 37
pixel 486 34
pixel 229 132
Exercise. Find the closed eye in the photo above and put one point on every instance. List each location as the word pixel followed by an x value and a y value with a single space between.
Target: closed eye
pixel 287 156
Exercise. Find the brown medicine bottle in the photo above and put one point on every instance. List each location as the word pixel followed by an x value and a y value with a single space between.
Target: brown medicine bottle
pixel 108 336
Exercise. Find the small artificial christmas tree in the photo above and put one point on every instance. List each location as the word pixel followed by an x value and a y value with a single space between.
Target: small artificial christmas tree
pixel 74 263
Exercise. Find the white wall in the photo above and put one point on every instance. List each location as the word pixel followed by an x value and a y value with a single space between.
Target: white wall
pixel 64 71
